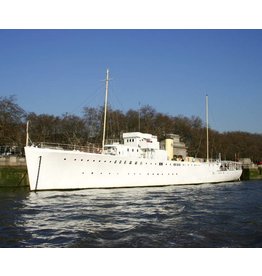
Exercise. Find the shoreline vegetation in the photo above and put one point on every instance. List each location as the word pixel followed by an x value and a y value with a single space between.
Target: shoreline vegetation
pixel 86 129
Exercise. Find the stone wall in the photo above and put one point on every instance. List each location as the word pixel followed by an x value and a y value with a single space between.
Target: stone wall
pixel 12 161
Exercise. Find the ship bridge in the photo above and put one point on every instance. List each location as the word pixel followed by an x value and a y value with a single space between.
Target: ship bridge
pixel 137 144
pixel 141 140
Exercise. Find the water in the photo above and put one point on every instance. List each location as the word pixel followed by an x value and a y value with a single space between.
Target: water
pixel 220 215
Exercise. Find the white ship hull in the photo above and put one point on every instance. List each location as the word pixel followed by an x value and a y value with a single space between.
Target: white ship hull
pixel 52 169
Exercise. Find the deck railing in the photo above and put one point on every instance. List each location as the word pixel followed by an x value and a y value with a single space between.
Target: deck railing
pixel 91 148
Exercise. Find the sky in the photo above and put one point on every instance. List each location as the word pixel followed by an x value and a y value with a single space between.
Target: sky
pixel 61 71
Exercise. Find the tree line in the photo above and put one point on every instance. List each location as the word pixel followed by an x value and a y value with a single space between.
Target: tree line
pixel 85 129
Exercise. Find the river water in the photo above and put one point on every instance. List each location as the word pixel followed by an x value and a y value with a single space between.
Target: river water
pixel 201 216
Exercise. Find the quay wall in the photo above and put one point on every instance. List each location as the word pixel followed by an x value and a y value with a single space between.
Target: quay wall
pixel 252 173
pixel 13 172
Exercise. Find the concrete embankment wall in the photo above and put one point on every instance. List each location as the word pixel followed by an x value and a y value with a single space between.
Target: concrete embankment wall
pixel 13 172
pixel 252 173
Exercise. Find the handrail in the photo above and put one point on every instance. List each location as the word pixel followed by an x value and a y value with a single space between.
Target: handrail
pixel 91 148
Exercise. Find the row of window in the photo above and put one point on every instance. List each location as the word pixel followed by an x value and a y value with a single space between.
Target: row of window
pixel 130 140
pixel 140 174
pixel 133 150
pixel 135 162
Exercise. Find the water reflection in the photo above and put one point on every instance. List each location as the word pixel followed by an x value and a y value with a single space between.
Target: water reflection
pixel 222 215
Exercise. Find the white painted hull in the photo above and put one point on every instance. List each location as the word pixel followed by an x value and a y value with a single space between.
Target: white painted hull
pixel 50 169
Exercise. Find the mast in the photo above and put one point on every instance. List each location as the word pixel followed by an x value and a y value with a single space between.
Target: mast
pixel 105 110
pixel 207 128
pixel 139 119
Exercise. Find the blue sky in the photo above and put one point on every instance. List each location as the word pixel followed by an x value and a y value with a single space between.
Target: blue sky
pixel 59 71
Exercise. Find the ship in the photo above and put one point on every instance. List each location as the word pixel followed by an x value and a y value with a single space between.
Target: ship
pixel 137 161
